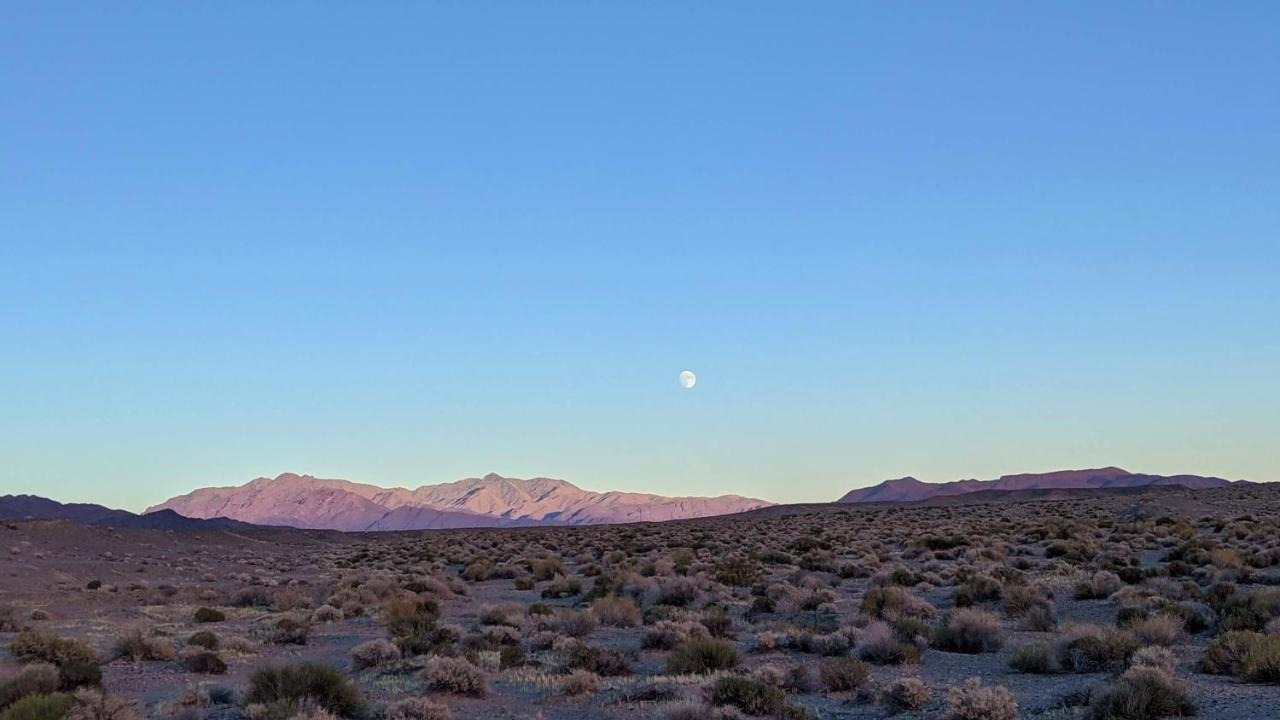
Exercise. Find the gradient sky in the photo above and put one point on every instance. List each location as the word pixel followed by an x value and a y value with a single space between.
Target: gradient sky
pixel 414 243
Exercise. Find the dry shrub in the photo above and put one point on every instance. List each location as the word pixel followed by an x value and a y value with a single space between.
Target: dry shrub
pixel 678 592
pixel 326 614
pixel 580 682
pixel 879 643
pixel 1157 630
pixel 1226 654
pixel 692 710
pixel 666 634
pixel 204 662
pixel 97 705
pixel 1262 663
pixel 1035 659
pixel 456 675
pixel 905 694
pixel 418 708
pixel 1142 693
pixel 374 653
pixel 972 701
pixel 751 696
pixel 136 646
pixel 702 655
pixel 616 611
pixel 843 674
pixel 1102 584
pixel 1094 648
pixel 1160 658
pixel 578 655
pixel 969 630
pixel 38 646
pixel 893 602
pixel 575 624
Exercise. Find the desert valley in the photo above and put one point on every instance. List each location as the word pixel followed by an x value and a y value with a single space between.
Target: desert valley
pixel 1087 594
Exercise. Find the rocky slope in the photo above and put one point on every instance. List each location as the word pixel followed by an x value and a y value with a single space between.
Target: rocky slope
pixel 909 489
pixel 493 500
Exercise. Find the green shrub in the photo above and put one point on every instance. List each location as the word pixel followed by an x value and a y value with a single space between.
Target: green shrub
pixel 33 679
pixel 1262 663
pixel 601 661
pixel 1226 654
pixel 39 707
pixel 205 662
pixel 204 639
pixel 751 696
pixel 702 655
pixel 291 684
pixel 1034 659
pixel 37 646
pixel 1092 648
pixel 209 615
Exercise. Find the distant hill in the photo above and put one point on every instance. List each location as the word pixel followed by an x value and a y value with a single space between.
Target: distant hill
pixel 491 501
pixel 33 507
pixel 909 489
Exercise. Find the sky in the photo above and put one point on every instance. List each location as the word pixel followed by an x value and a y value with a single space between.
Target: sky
pixel 412 243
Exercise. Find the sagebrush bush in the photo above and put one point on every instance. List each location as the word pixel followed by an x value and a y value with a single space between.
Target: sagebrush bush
pixel 1034 659
pixel 204 639
pixel 880 643
pixel 209 615
pixel 374 653
pixel 1262 662
pixel 1157 630
pixel 702 655
pixel 580 682
pixel 1142 693
pixel 1094 648
pixel 972 701
pixel 749 695
pixel 843 674
pixel 205 662
pixel 54 706
pixel 969 630
pixel 33 679
pixel 418 708
pixel 38 646
pixel 616 611
pixel 456 675
pixel 1226 653
pixel 905 694
pixel 1155 656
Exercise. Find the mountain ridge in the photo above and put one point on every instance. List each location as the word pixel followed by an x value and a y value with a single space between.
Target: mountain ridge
pixel 34 507
pixel 490 501
pixel 909 489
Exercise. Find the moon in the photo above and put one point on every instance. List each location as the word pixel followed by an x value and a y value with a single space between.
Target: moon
pixel 688 379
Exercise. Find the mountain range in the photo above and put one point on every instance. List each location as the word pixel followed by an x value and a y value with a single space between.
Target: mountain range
pixel 33 507
pixel 491 501
pixel 303 501
pixel 909 489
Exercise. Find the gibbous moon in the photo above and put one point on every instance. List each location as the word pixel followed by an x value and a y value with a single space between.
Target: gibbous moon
pixel 688 379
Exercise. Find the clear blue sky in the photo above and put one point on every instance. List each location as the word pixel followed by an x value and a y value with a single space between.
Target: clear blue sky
pixel 412 243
